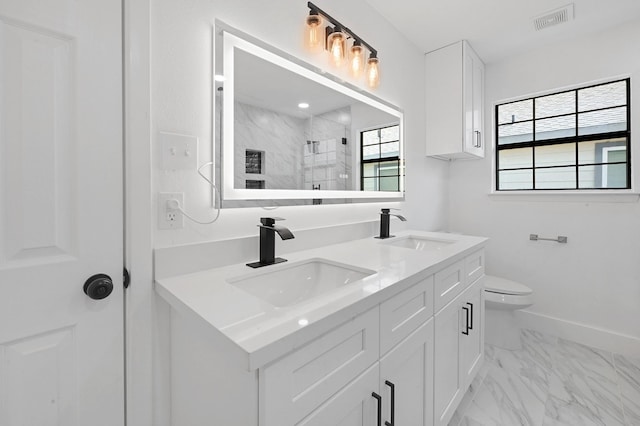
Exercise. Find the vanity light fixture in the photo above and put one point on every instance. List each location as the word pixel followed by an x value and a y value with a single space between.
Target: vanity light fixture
pixel 336 45
pixel 303 105
pixel 356 65
pixel 373 73
pixel 313 32
pixel 336 37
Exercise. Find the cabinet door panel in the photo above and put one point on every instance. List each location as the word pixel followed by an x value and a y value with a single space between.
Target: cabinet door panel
pixel 352 406
pixel 444 106
pixel 409 368
pixel 478 107
pixel 472 345
pixel 454 102
pixel 469 139
pixel 473 102
pixel 447 378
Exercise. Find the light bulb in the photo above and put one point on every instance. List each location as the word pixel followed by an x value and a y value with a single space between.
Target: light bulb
pixel 337 47
pixel 357 60
pixel 373 72
pixel 313 32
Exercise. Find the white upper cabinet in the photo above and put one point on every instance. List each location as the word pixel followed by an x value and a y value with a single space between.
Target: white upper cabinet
pixel 454 102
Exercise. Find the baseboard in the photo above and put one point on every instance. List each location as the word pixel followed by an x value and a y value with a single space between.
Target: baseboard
pixel 581 333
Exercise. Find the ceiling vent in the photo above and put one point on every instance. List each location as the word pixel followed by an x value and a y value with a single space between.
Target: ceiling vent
pixel 555 17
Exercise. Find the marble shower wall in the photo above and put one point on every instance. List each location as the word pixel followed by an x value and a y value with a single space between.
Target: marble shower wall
pixel 279 137
pixel 327 161
pixel 297 153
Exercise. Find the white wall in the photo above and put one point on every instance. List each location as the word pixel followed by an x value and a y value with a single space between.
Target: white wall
pixel 181 102
pixel 181 70
pixel 594 280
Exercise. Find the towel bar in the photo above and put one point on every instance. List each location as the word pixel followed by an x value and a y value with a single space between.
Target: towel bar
pixel 561 239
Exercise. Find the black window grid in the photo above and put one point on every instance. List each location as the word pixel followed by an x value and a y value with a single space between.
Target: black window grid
pixel 380 160
pixel 576 139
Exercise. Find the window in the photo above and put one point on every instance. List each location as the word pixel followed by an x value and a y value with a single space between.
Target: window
pixel 575 139
pixel 380 168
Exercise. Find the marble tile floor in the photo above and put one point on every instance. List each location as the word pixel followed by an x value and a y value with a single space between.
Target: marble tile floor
pixel 552 382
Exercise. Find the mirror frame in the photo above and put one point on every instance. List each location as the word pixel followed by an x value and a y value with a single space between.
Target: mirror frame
pixel 233 39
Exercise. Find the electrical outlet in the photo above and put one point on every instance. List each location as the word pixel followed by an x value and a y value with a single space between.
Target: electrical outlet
pixel 169 218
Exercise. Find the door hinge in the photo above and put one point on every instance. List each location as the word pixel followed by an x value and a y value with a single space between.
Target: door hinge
pixel 126 278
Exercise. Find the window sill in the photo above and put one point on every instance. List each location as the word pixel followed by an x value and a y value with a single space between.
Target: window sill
pixel 567 196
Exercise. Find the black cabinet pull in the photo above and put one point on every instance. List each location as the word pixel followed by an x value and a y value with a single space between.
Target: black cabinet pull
pixel 466 325
pixel 471 315
pixel 393 403
pixel 379 398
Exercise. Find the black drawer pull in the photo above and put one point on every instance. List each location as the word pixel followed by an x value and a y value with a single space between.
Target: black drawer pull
pixel 379 398
pixel 471 315
pixel 393 403
pixel 466 325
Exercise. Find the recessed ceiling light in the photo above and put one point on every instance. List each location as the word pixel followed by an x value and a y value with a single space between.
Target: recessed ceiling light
pixel 303 105
pixel 218 77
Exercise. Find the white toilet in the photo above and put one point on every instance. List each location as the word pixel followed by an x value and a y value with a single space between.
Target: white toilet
pixel 502 298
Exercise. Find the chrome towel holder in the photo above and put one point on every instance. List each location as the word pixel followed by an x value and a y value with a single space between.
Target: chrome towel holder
pixel 561 239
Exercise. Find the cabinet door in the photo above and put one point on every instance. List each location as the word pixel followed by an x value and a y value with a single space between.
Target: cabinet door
pixel 444 101
pixel 353 405
pixel 473 91
pixel 478 106
pixel 472 344
pixel 406 379
pixel 448 381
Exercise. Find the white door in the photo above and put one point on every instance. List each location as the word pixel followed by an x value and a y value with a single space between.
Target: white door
pixel 61 352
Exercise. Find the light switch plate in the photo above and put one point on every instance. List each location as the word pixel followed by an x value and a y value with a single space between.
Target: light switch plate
pixel 179 152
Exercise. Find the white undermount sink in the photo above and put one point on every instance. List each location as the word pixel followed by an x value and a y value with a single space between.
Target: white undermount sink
pixel 296 282
pixel 420 243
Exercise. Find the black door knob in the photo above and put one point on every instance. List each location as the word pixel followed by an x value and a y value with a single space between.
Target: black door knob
pixel 98 286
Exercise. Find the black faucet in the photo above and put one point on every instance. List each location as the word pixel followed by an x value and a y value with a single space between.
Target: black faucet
pixel 268 229
pixel 385 218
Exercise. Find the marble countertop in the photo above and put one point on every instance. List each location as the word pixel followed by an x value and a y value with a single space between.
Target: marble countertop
pixel 263 332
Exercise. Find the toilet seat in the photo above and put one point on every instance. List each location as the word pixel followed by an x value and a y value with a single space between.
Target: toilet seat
pixel 503 294
pixel 502 298
pixel 500 285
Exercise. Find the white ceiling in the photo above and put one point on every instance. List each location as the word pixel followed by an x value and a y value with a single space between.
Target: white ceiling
pixel 498 28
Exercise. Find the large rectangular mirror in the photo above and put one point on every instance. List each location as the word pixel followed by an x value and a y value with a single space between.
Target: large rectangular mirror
pixel 292 132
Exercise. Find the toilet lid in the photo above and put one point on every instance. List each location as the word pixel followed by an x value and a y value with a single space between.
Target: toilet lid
pixel 504 286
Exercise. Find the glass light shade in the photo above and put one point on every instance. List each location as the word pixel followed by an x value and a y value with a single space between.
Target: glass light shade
pixel 373 73
pixel 357 60
pixel 313 33
pixel 337 44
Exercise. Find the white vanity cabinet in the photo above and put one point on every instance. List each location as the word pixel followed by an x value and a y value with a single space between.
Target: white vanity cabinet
pixel 454 102
pixel 387 350
pixel 413 345
pixel 459 334
pixel 403 379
